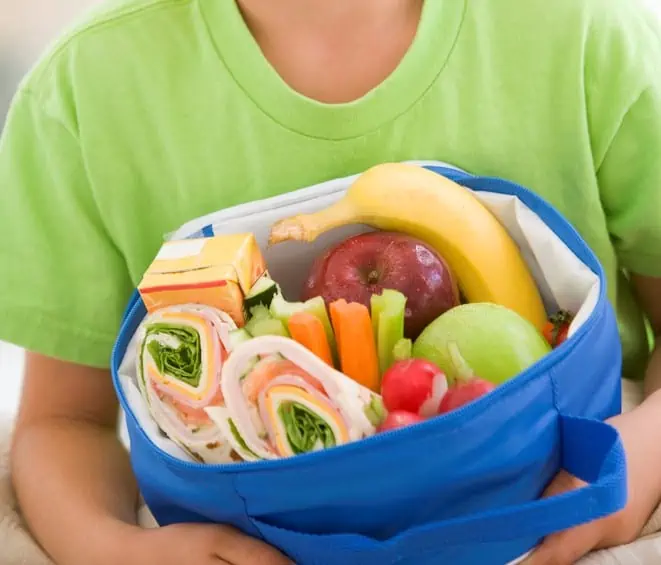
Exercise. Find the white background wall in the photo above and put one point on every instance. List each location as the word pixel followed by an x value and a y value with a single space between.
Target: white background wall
pixel 26 27
pixel 11 367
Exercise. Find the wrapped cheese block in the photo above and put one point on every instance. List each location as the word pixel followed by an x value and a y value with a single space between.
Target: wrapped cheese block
pixel 182 350
pixel 216 271
pixel 282 400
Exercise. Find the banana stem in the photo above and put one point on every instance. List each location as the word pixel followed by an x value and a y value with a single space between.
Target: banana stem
pixel 308 227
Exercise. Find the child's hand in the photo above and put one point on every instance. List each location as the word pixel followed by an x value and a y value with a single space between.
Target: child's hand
pixel 638 432
pixel 201 544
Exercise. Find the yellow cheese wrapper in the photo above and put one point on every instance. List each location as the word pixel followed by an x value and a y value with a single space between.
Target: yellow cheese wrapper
pixel 216 271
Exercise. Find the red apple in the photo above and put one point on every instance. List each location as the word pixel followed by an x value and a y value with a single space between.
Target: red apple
pixel 366 264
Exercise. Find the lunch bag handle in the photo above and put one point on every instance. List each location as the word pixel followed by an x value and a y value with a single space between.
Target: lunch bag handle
pixel 591 450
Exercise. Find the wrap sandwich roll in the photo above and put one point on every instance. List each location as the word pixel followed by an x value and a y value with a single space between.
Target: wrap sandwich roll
pixel 281 400
pixel 180 357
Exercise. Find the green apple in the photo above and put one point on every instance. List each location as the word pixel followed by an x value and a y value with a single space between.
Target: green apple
pixel 490 341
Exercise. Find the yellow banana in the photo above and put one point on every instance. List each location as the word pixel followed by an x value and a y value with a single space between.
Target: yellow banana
pixel 410 199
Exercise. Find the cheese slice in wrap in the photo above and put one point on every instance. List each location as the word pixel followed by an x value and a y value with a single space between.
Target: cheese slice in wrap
pixel 180 357
pixel 281 400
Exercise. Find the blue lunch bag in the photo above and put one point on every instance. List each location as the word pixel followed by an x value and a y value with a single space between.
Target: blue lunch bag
pixel 459 489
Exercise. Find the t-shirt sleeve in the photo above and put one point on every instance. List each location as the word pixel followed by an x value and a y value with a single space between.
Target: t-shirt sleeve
pixel 630 185
pixel 63 282
pixel 623 92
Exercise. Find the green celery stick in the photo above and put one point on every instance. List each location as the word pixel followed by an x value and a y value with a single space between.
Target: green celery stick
pixel 388 310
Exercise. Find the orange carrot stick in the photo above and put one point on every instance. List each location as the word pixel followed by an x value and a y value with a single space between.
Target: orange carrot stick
pixel 355 342
pixel 307 329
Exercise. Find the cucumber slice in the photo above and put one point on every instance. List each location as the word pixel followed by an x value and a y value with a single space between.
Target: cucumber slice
pixel 266 326
pixel 261 293
pixel 260 312
pixel 262 323
pixel 239 336
pixel 375 411
pixel 283 310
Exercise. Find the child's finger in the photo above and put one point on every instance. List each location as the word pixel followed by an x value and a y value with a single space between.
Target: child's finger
pixel 238 549
pixel 565 548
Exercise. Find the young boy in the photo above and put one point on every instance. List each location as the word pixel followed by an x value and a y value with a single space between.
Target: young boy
pixel 153 112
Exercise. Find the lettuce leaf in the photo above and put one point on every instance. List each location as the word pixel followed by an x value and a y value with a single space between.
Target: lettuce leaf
pixel 305 429
pixel 184 362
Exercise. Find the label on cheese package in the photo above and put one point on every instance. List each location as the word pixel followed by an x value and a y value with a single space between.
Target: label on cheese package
pixel 216 271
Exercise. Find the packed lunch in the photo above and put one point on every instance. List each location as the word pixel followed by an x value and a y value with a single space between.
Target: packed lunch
pixel 431 309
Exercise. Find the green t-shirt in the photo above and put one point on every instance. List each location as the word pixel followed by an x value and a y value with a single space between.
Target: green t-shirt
pixel 152 112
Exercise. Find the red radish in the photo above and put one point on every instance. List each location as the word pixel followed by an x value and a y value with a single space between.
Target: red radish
pixel 464 392
pixel 414 385
pixel 399 419
pixel 467 387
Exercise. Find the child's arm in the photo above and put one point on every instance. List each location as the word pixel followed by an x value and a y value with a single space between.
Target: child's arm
pixel 69 469
pixel 76 488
